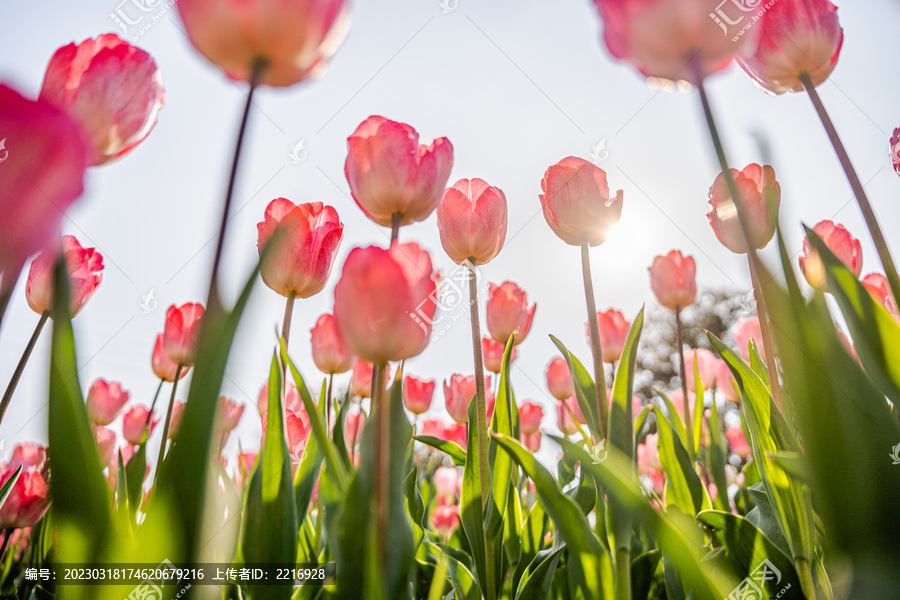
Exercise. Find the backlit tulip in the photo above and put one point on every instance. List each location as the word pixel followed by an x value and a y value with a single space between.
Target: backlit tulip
pixel 508 312
pixel 737 442
pixel 532 441
pixel 759 196
pixel 390 173
pixel 458 433
pixel 329 350
pixel 472 220
pixel 84 267
pixel 353 428
pixel 648 454
pixel 28 499
pixel 745 329
pixel 417 394
pixel 298 428
pixel 840 242
pixel 292 399
pixel 492 353
pixel 175 421
pixel 446 482
pixel 104 401
pixel 305 239
pixel 29 455
pixel 44 157
pixel 795 37
pixel 432 428
pixel 878 287
pixel 726 383
pixel 228 414
pixel 112 89
pixel 662 38
pixel 559 379
pixel 614 330
pixel 361 378
pixel 576 202
pixel 445 519
pixel 182 329
pixel 565 421
pixel 458 393
pixel 133 422
pixel 706 366
pixel 384 302
pixel 673 278
pixel 106 442
pixel 163 367
pixel 292 39
pixel 530 415
pixel 574 408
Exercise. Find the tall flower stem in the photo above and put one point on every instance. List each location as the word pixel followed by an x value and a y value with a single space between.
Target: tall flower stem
pixel 395 226
pixel 152 407
pixel 890 271
pixel 679 341
pixel 288 313
pixel 381 405
pixel 594 328
pixel 165 435
pixel 17 374
pixel 328 400
pixel 213 299
pixel 755 265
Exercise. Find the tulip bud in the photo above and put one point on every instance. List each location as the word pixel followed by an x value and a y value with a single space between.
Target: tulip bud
pixel 744 330
pixel 417 394
pixel 508 312
pixel 458 433
pixel 228 415
pixel 472 220
pixel 565 421
pixel 353 428
pixel 445 519
pixel 104 401
pixel 530 415
pixel 532 442
pixel 674 280
pixel 759 196
pixel 83 266
pixel 329 350
pixel 181 332
pixel 840 242
pixel 706 365
pixel 737 442
pixel 726 383
pixel 28 499
pixel 614 330
pixel 175 421
pixel 133 423
pixel 164 368
pixel 446 482
pixel 559 379
pixel 361 379
pixel 492 354
pixel 576 202
pixel 292 399
pixel 458 394
pixel 106 442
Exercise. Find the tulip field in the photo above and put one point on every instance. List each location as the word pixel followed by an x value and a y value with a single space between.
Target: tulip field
pixel 767 466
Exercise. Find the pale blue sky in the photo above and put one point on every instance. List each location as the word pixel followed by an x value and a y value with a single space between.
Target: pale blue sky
pixel 516 86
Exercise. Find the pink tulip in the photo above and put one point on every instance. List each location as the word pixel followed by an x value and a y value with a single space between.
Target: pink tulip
pixel 133 423
pixel 28 455
pixel 175 421
pixel 298 428
pixel 447 482
pixel 292 399
pixel 706 366
pixel 840 242
pixel 433 428
pixel 895 150
pixel 28 499
pixel 44 156
pixel 390 173
pixel 228 415
pixel 492 353
pixel 361 379
pixel 104 401
pixel 565 420
pixel 106 442
pixel 127 451
pixel 648 454
pixel 759 196
pixel 795 37
pixel 658 478
pixel 329 350
pixel 163 367
pixel 574 408
pixel 559 379
pixel 181 332
pixel 458 393
pixel 737 442
pixel 353 428
pixel 445 519
pixel 532 442
pixel 508 312
pixel 384 302
pixel 306 240
pixel 112 89
pixel 83 265
pixel 673 278
pixel 744 330
pixel 878 287
pixel 726 383
pixel 576 202
pixel 472 219
pixel 530 415
pixel 675 39
pixel 417 394
pixel 457 432
pixel 614 330
pixel 292 39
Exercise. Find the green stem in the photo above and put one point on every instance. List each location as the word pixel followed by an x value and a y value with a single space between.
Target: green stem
pixel 288 312
pixel 755 265
pixel 328 401
pixel 395 226
pixel 596 349
pixel 380 406
pixel 679 341
pixel 890 271
pixel 213 299
pixel 17 374
pixel 623 574
pixel 165 435
pixel 152 406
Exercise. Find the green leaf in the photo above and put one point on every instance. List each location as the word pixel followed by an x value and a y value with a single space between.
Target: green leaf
pixel 500 462
pixel 535 584
pixel 456 453
pixel 531 536
pixel 643 569
pixel 697 416
pixel 270 523
pixel 716 454
pixel 672 415
pixel 684 489
pixel 310 466
pixel 135 471
pixel 7 486
pixel 471 513
pixel 590 562
pixel 585 390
